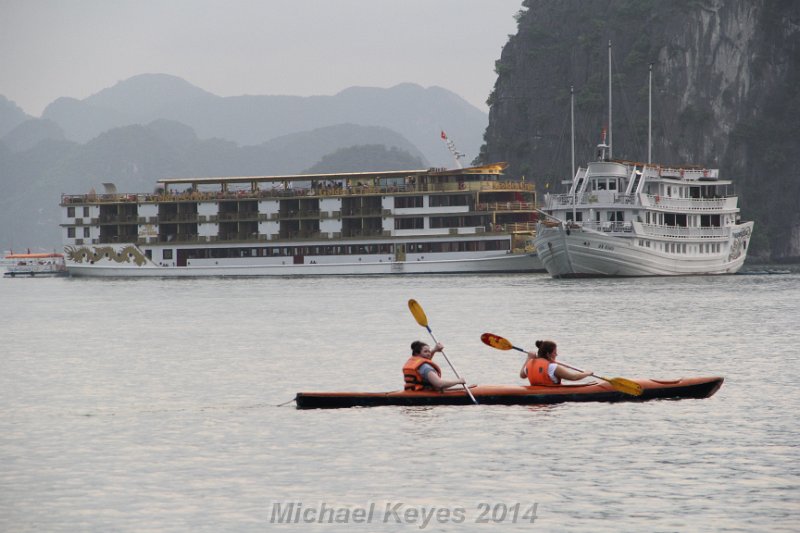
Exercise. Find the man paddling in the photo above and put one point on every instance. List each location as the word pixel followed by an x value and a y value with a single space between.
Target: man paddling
pixel 421 373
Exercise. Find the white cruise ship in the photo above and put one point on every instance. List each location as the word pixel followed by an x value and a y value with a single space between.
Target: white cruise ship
pixel 396 222
pixel 622 218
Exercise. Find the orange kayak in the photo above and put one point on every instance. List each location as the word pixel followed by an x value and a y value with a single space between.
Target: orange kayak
pixel 600 391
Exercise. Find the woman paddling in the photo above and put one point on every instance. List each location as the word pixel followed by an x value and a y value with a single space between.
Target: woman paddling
pixel 541 368
pixel 421 373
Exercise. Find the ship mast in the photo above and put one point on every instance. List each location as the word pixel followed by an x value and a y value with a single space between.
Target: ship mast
pixel 650 116
pixel 610 143
pixel 572 129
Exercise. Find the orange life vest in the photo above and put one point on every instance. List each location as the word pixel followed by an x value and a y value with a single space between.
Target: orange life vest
pixel 411 373
pixel 537 372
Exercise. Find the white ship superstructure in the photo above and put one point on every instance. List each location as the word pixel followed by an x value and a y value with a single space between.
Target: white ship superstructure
pixel 623 218
pixel 395 222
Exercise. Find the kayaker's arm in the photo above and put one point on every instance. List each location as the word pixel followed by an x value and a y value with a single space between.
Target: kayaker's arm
pixel 442 384
pixel 572 375
pixel 523 373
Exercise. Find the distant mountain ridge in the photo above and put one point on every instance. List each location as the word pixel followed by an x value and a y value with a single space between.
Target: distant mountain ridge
pixel 417 113
pixel 134 157
pixel 11 116
pixel 155 125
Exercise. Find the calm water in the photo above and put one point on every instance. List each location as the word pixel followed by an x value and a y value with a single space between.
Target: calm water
pixel 151 405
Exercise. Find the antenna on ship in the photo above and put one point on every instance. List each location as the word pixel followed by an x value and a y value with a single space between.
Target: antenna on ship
pixel 572 134
pixel 457 156
pixel 610 152
pixel 650 116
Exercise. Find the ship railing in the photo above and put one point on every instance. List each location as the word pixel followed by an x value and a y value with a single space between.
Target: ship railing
pixel 238 236
pixel 684 231
pixel 177 217
pixel 505 206
pixel 291 214
pixel 363 233
pixel 93 198
pixel 116 239
pixel 363 212
pixel 178 237
pixel 610 227
pixel 239 215
pixel 689 204
pixel 513 227
pixel 555 201
pixel 300 234
pixel 688 173
pixel 506 185
pixel 356 190
pixel 118 219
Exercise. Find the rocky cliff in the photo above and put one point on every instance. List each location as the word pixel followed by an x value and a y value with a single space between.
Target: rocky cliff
pixel 726 93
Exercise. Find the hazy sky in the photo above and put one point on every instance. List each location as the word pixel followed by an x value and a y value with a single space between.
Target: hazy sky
pixel 53 48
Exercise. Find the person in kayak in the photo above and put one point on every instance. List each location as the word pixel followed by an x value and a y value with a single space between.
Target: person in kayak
pixel 421 373
pixel 541 368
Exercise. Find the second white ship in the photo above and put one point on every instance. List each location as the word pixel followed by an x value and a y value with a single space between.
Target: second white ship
pixel 397 222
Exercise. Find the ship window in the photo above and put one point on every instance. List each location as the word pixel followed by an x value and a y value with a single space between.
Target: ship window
pixel 612 185
pixel 407 201
pixel 71 233
pixel 86 211
pixel 167 254
pixel 71 212
pixel 86 232
pixel 409 223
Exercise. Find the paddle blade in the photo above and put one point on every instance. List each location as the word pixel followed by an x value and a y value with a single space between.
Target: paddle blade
pixel 496 341
pixel 418 312
pixel 627 386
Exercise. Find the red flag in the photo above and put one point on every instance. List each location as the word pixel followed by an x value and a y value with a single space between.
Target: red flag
pixel 444 135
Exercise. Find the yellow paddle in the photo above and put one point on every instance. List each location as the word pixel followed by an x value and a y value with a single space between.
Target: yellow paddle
pixel 422 320
pixel 620 384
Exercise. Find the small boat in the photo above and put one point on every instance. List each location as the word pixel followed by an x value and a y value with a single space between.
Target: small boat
pixel 34 265
pixel 599 391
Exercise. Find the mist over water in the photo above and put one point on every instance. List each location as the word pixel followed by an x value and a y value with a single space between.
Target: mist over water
pixel 134 405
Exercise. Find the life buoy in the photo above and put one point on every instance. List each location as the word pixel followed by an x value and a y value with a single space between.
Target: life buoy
pixel 462 185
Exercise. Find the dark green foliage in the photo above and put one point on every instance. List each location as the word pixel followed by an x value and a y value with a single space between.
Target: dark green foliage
pixel 370 157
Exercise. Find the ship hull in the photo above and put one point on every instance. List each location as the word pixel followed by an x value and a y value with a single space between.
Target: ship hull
pixel 578 252
pixel 119 264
